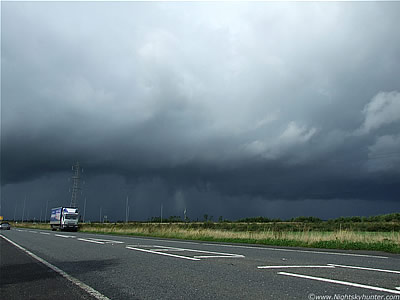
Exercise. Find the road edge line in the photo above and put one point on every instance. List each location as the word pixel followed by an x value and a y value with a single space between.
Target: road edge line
pixel 75 281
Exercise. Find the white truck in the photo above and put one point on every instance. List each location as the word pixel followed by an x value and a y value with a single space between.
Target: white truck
pixel 64 218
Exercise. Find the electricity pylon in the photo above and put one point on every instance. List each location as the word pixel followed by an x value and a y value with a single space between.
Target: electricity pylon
pixel 75 184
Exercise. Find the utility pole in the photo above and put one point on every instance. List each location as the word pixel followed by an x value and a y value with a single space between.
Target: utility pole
pixel 127 210
pixel 161 214
pixel 75 184
pixel 15 210
pixel 84 211
pixel 100 215
pixel 23 210
pixel 45 212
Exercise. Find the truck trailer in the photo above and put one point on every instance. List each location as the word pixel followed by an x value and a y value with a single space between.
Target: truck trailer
pixel 64 218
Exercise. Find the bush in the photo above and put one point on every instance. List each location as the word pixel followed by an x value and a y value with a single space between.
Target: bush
pixel 306 219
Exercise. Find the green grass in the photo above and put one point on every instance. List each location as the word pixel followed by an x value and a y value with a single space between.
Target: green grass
pixel 339 239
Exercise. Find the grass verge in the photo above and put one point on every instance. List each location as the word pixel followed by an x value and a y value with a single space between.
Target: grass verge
pixel 341 239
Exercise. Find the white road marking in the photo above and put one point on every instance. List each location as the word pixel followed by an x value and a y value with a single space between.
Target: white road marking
pixel 169 241
pixel 32 231
pixel 109 241
pixel 219 256
pixel 283 267
pixel 162 253
pixel 398 288
pixel 202 251
pixel 263 248
pixel 44 233
pixel 75 281
pixel 90 241
pixel 364 286
pixel 65 236
pixel 364 268
pixel 162 249
pixel 145 246
pixel 167 250
pixel 20 230
pixel 301 251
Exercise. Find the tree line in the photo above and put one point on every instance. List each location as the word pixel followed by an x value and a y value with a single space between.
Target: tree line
pixel 393 217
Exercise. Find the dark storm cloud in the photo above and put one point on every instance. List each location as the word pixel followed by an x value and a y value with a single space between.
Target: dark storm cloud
pixel 200 103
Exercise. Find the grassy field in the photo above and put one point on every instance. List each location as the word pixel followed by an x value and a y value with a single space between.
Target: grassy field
pixel 294 234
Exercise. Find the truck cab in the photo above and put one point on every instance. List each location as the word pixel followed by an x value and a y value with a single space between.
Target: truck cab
pixel 70 220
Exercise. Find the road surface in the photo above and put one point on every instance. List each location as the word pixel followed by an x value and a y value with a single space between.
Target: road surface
pixel 91 266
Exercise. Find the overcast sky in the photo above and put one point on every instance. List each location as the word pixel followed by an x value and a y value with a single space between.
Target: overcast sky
pixel 236 109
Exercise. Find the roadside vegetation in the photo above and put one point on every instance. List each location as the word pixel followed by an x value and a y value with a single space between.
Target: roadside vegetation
pixel 378 233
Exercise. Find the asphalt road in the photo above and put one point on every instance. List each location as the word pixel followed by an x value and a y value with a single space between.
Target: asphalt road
pixel 23 277
pixel 124 267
